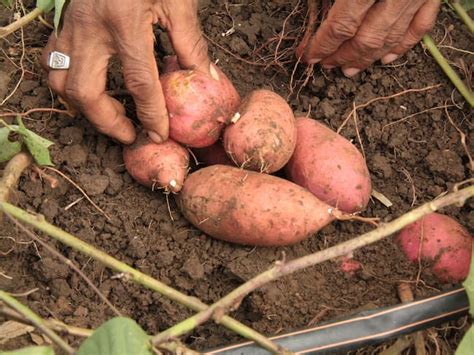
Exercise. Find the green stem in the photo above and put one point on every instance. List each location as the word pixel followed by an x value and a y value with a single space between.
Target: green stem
pixel 282 269
pixel 462 13
pixel 22 21
pixel 458 83
pixel 35 320
pixel 193 303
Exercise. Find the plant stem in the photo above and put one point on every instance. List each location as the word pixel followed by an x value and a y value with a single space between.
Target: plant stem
pixel 12 173
pixel 462 13
pixel 282 269
pixel 193 303
pixel 22 21
pixel 449 71
pixel 35 320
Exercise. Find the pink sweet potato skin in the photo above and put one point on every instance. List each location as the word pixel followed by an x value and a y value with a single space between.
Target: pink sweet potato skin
pixel 329 166
pixel 213 155
pixel 157 165
pixel 250 208
pixel 198 105
pixel 264 137
pixel 444 243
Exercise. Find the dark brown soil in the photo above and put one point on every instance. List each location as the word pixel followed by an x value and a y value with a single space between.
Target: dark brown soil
pixel 411 162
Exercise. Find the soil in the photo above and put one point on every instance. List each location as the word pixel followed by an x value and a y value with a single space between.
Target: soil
pixel 411 162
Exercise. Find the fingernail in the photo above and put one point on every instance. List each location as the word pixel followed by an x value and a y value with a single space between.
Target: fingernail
pixel 155 137
pixel 214 73
pixel 314 61
pixel 349 72
pixel 389 58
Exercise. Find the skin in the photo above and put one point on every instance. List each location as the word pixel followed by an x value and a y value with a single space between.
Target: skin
pixel 95 30
pixel 356 33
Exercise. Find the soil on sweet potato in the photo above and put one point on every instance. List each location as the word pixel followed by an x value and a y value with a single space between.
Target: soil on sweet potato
pixel 410 162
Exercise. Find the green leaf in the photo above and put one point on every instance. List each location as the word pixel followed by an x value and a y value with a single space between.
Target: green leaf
pixel 58 12
pixel 7 3
pixel 467 343
pixel 8 149
pixel 467 4
pixel 37 145
pixel 45 5
pixel 469 284
pixel 118 336
pixel 31 350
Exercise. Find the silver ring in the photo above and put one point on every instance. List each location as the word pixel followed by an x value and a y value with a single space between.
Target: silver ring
pixel 58 60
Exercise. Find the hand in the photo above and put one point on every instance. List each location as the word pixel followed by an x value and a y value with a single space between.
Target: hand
pixel 96 30
pixel 357 33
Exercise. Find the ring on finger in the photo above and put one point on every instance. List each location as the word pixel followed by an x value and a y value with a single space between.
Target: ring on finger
pixel 58 60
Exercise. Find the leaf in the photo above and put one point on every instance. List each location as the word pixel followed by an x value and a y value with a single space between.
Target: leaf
pixel 467 4
pixel 7 3
pixel 118 336
pixel 58 12
pixel 45 5
pixel 469 284
pixel 31 350
pixel 8 149
pixel 37 145
pixel 467 343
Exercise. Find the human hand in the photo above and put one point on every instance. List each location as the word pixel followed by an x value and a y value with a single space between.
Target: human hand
pixel 96 30
pixel 357 33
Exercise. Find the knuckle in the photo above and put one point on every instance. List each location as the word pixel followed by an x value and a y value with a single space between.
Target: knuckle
pixel 394 39
pixel 140 83
pixel 368 42
pixel 342 29
pixel 56 84
pixel 79 94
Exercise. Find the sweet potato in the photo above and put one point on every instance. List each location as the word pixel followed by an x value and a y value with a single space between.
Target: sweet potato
pixel 212 155
pixel 155 165
pixel 246 207
pixel 198 105
pixel 262 135
pixel 329 166
pixel 441 241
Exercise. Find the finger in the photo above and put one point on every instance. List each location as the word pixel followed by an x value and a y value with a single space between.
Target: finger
pixel 180 19
pixel 422 23
pixel 46 50
pixel 342 23
pixel 383 28
pixel 141 78
pixel 85 88
pixel 57 78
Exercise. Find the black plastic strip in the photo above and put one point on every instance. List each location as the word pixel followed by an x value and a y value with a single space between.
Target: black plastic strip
pixel 365 328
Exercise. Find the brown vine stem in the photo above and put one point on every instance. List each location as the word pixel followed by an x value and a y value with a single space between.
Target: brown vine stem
pixel 33 110
pixel 383 98
pixel 134 275
pixel 21 22
pixel 285 268
pixel 12 173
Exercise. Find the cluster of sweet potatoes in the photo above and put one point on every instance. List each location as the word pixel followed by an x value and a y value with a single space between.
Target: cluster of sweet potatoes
pixel 242 142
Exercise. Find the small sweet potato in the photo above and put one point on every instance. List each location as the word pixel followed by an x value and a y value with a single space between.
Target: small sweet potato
pixel 441 241
pixel 262 135
pixel 246 207
pixel 212 155
pixel 198 105
pixel 155 165
pixel 329 166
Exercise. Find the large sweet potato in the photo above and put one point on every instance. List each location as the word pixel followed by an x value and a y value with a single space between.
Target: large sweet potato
pixel 155 165
pixel 247 207
pixel 440 241
pixel 198 105
pixel 329 166
pixel 262 135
